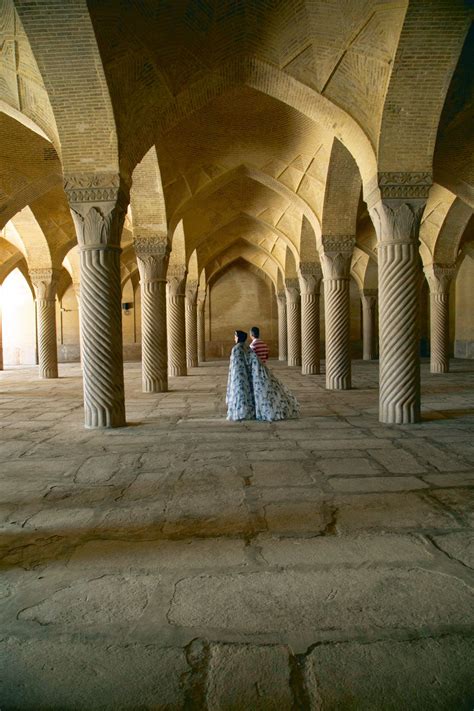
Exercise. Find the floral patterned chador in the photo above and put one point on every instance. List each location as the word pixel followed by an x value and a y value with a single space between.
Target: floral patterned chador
pixel 239 399
pixel 254 392
pixel 273 400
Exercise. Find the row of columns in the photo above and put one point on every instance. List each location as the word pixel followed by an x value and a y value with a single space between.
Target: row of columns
pixel 298 315
pixel 98 205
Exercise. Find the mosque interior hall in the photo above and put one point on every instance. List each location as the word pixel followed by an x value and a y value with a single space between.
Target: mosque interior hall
pixel 174 172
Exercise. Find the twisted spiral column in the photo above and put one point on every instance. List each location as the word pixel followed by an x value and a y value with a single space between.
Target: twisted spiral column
pixel 191 326
pixel 310 279
pixel 337 313
pixel 310 338
pixel 201 328
pixel 399 268
pixel 369 302
pixel 98 205
pixel 399 276
pixel 176 324
pixel 152 260
pixel 45 282
pixel 336 261
pixel 293 314
pixel 282 327
pixel 439 278
pixel 101 337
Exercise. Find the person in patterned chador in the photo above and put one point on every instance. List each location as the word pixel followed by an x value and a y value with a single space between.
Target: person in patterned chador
pixel 253 391
pixel 239 398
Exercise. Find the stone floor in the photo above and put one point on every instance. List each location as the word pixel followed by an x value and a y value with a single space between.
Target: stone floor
pixel 186 562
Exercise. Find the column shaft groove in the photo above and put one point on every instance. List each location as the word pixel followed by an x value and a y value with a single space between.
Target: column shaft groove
pixel 176 335
pixel 47 346
pixel 337 313
pixel 101 335
pixel 399 277
pixel 439 325
pixel 310 334
pixel 293 310
pixel 282 328
pixel 154 345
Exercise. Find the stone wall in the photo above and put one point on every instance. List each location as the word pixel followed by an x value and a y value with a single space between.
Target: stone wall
pixel 239 299
pixel 464 343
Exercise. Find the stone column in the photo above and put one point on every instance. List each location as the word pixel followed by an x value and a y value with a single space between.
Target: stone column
pixel 368 298
pixel 310 279
pixel 152 259
pixel 45 283
pixel 282 326
pixel 201 326
pixel 98 207
pixel 77 291
pixel 439 278
pixel 336 263
pixel 191 324
pixel 176 321
pixel 397 216
pixel 293 313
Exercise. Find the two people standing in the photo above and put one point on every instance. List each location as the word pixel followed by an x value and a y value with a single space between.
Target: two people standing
pixel 253 391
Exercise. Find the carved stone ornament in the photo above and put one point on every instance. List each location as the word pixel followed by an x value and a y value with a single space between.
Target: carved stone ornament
pixel 404 185
pixel 398 186
pixel 149 245
pixel 397 222
pixel 92 187
pixel 340 244
pixel 152 267
pixel 336 256
pixel 176 278
pixel 192 286
pixel 98 229
pixel 439 277
pixel 310 275
pixel 45 282
pixel 292 287
pixel 310 269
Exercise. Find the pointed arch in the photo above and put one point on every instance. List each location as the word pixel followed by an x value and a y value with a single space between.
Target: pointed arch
pixel 419 83
pixel 342 194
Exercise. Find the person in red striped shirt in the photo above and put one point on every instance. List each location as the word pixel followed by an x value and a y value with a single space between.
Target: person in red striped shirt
pixel 259 347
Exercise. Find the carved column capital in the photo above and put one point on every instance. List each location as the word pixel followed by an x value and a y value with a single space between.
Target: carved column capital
pixel 176 278
pixel 192 286
pixel 398 185
pixel 310 275
pixel 439 277
pixel 292 289
pixel 336 255
pixel 201 298
pixel 152 259
pixel 45 282
pixel 98 203
pixel 369 298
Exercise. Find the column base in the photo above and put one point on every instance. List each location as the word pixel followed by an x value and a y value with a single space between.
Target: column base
pixel 49 375
pixel 399 415
pixel 177 372
pixel 154 386
pixel 294 363
pixel 439 367
pixel 310 370
pixel 191 363
pixel 104 420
